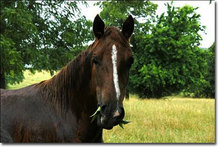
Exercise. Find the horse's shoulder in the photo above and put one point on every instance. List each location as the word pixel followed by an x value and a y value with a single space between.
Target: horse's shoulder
pixel 20 97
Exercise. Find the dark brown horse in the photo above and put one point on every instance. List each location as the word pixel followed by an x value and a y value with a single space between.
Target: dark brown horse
pixel 59 109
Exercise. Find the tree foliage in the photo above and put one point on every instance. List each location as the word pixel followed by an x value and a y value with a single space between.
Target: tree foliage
pixel 204 87
pixel 41 34
pixel 171 62
pixel 211 72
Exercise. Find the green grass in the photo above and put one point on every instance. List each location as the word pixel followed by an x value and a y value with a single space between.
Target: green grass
pixel 170 120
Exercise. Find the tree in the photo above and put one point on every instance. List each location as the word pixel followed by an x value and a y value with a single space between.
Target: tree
pixel 211 71
pixel 39 34
pixel 172 60
pixel 205 87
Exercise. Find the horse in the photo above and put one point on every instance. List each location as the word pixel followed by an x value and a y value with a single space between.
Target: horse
pixel 59 109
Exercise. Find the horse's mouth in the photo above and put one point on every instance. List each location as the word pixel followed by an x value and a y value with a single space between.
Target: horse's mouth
pixel 107 127
pixel 107 123
pixel 108 115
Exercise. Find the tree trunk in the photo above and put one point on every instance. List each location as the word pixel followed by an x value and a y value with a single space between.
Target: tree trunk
pixel 2 80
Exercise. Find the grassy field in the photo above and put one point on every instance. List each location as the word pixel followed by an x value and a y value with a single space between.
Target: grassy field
pixel 172 120
pixel 168 120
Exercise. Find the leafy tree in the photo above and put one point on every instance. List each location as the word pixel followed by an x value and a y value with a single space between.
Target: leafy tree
pixel 39 34
pixel 205 87
pixel 211 71
pixel 172 60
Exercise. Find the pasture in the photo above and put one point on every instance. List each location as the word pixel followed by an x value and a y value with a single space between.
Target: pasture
pixel 168 120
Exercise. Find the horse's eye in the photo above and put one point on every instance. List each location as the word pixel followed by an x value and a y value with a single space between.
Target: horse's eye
pixel 95 60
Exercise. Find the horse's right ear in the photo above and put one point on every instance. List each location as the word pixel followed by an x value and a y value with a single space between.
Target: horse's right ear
pixel 98 27
pixel 128 27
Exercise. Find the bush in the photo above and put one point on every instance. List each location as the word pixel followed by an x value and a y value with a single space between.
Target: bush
pixel 168 59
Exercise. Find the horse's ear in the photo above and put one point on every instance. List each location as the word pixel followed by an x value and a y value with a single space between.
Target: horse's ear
pixel 128 27
pixel 98 27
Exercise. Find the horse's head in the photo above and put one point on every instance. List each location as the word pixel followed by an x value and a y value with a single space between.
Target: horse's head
pixel 111 58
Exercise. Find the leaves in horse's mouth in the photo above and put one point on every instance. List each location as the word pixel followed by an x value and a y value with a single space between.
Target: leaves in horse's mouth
pixel 94 116
pixel 123 122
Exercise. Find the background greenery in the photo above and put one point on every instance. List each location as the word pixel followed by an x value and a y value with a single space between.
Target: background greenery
pixel 168 61
pixel 41 35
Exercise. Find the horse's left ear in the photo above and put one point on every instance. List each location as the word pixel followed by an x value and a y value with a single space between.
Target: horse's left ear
pixel 98 27
pixel 128 27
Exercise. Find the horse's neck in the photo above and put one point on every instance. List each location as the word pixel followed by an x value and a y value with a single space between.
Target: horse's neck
pixel 70 88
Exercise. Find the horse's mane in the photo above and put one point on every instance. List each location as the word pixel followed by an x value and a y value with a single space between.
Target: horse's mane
pixel 66 86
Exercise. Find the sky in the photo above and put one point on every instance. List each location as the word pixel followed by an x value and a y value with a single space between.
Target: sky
pixel 206 10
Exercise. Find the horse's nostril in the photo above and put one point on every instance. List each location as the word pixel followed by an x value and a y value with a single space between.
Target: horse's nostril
pixel 119 113
pixel 116 114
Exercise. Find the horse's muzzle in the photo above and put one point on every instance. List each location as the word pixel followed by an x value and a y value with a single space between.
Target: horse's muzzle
pixel 110 116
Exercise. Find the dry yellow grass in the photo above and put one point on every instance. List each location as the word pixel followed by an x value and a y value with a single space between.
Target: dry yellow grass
pixel 171 120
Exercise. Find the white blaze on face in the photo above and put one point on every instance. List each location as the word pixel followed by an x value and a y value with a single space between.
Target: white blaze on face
pixel 115 72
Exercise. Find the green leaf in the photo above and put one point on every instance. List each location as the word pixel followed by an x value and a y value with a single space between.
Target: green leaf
pixel 93 118
pixel 121 125
pixel 123 122
pixel 94 115
pixel 98 109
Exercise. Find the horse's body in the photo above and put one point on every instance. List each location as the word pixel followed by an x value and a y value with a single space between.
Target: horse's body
pixel 59 109
pixel 27 118
pixel 35 114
